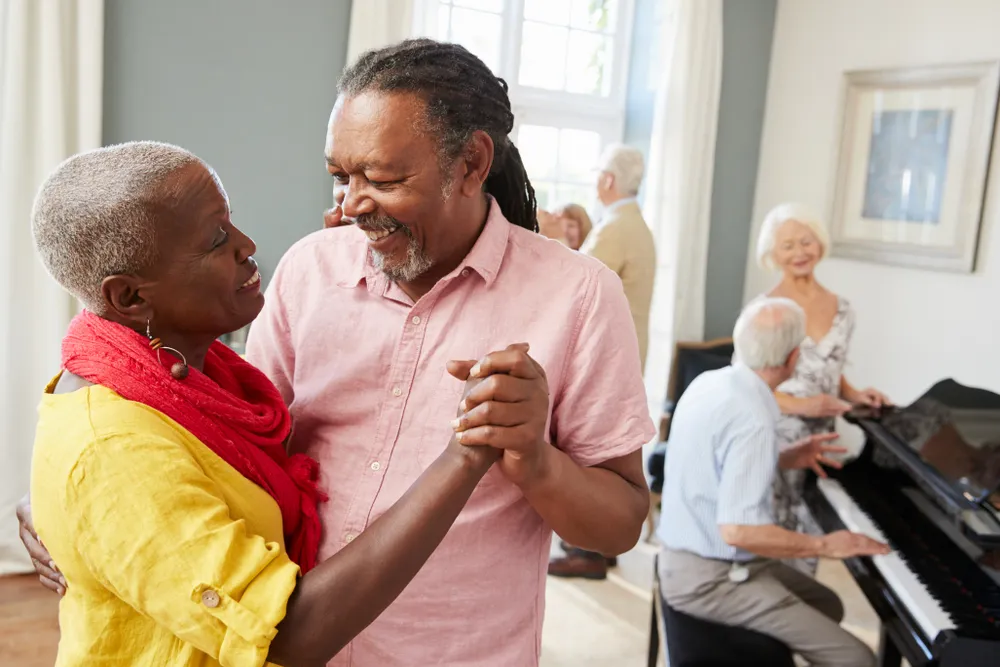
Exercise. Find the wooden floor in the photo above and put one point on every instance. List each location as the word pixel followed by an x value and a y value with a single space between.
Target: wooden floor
pixel 29 629
pixel 612 618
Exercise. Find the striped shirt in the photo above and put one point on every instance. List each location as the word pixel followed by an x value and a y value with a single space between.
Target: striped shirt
pixel 721 460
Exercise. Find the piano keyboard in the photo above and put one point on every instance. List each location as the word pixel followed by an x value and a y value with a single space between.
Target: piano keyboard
pixel 925 610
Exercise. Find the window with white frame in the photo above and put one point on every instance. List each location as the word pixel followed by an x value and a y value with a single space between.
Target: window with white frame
pixel 566 64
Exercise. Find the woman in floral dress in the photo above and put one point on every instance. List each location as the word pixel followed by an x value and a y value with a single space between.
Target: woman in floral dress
pixel 793 241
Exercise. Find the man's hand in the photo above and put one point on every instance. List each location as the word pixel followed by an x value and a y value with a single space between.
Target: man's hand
pixel 845 544
pixel 46 568
pixel 507 410
pixel 824 405
pixel 481 457
pixel 811 452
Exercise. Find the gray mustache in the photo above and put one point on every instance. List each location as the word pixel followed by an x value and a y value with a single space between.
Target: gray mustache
pixel 377 223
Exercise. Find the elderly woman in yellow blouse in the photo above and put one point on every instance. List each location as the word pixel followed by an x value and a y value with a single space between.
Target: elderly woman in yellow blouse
pixel 160 482
pixel 793 241
pixel 569 224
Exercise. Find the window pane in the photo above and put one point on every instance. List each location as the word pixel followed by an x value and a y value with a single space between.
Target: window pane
pixel 543 56
pixel 550 11
pixel 573 193
pixel 596 15
pixel 545 195
pixel 444 23
pixel 479 32
pixel 579 151
pixel 588 66
pixel 539 148
pixel 482 5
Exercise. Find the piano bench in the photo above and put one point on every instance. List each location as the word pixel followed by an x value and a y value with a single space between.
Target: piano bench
pixel 693 642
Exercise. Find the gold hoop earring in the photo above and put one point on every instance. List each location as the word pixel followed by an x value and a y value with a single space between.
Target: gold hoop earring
pixel 179 370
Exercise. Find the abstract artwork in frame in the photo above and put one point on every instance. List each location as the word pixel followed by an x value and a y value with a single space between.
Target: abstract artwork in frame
pixel 913 165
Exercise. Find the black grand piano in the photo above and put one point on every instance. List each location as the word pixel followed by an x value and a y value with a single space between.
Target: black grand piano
pixel 928 484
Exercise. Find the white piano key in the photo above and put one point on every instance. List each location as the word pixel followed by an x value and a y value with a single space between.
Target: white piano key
pixel 926 611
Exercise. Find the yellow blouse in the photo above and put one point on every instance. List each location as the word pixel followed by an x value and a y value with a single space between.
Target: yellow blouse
pixel 171 556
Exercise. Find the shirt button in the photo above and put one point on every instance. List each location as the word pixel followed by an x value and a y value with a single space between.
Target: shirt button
pixel 396 391
pixel 416 319
pixel 349 538
pixel 465 272
pixel 210 599
pixel 376 466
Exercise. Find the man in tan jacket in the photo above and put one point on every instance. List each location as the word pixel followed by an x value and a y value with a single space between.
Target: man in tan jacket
pixel 622 240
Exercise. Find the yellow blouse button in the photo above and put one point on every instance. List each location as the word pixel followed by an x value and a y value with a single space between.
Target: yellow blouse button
pixel 210 599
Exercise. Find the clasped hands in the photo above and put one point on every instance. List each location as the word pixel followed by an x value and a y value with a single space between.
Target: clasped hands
pixel 504 412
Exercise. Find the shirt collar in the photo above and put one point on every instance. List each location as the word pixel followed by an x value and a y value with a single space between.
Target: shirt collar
pixel 485 257
pixel 487 254
pixel 759 386
pixel 620 204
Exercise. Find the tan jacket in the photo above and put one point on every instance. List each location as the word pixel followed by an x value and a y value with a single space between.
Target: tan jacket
pixel 624 243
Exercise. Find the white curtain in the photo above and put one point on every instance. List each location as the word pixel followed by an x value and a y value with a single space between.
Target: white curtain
pixel 378 23
pixel 51 60
pixel 678 198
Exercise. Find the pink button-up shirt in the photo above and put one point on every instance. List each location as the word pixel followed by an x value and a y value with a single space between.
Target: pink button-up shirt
pixel 362 368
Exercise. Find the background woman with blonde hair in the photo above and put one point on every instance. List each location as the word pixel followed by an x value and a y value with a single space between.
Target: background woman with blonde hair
pixel 793 241
pixel 569 224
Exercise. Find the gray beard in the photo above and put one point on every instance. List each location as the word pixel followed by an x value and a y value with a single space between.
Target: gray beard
pixel 415 265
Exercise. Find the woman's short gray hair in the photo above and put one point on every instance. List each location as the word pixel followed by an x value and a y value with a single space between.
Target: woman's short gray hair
pixel 768 331
pixel 778 216
pixel 626 164
pixel 94 216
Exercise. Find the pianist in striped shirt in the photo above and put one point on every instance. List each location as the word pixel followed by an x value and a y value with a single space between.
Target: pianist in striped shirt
pixel 722 548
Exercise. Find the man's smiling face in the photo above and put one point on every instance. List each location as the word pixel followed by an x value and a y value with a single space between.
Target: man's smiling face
pixel 395 188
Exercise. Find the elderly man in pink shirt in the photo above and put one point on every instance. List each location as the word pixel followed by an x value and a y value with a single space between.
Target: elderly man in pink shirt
pixel 442 263
pixel 371 328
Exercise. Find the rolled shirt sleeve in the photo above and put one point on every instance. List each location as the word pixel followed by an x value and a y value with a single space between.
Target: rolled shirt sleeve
pixel 156 531
pixel 601 412
pixel 748 469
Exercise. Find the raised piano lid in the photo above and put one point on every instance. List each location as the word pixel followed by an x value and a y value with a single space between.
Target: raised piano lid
pixel 948 440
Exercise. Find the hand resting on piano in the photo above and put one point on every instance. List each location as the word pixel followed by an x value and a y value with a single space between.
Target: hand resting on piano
pixel 773 541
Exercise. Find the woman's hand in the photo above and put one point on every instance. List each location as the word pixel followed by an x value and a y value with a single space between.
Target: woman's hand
pixel 823 405
pixel 873 398
pixel 481 457
pixel 334 217
pixel 549 225
pixel 46 568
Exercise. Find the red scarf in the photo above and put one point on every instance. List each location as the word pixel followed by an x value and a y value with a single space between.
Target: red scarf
pixel 231 407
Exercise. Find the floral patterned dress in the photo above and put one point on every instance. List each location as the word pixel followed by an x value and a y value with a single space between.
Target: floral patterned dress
pixel 819 369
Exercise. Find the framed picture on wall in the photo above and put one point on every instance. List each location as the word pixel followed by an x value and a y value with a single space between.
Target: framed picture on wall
pixel 914 157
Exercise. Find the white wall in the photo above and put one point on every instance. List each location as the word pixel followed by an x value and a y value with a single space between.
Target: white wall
pixel 914 327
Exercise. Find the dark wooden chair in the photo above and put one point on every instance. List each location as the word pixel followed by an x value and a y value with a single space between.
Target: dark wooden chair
pixel 689 361
pixel 693 642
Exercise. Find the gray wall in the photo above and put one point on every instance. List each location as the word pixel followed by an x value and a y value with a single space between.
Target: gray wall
pixel 247 85
pixel 748 27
